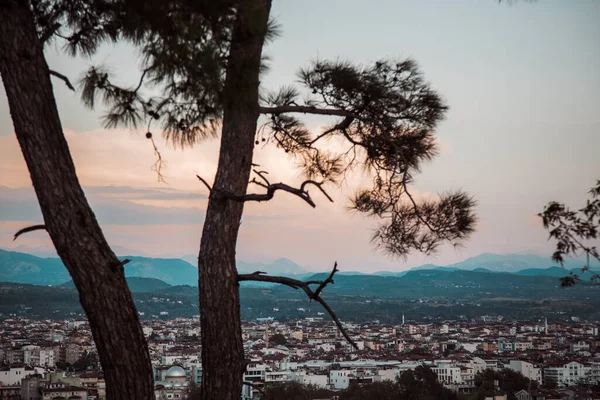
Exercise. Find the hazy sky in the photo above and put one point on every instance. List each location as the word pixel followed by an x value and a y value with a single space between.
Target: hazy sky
pixel 522 82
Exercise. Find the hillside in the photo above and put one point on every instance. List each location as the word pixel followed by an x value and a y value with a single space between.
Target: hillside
pixel 422 295
pixel 26 268
pixel 136 284
pixel 440 284
pixel 173 271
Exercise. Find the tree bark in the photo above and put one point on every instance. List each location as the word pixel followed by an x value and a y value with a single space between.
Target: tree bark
pixel 222 349
pixel 96 271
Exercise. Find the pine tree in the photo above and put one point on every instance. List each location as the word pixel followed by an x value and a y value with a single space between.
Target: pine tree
pixel 97 273
pixel 206 57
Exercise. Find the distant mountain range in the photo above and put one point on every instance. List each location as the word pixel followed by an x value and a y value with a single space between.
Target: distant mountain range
pixel 522 264
pixel 26 268
pixel 425 295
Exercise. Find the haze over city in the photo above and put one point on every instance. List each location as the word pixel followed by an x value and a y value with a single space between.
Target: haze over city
pixel 521 81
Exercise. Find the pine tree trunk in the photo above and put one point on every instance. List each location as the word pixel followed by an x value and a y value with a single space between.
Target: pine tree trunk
pixel 222 350
pixel 69 220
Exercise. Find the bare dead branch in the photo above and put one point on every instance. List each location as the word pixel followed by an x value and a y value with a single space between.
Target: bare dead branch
pixel 296 284
pixel 287 109
pixel 318 185
pixel 273 187
pixel 29 229
pixel 62 77
pixel 327 281
pixel 117 266
pixel 205 183
pixel 261 174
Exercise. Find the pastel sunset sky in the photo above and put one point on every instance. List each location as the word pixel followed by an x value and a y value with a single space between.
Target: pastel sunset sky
pixel 522 81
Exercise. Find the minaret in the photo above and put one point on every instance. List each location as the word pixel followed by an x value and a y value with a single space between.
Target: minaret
pixel 546 326
pixel 402 319
pixel 267 337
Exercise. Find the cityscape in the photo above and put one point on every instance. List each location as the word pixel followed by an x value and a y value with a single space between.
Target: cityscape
pixel 57 359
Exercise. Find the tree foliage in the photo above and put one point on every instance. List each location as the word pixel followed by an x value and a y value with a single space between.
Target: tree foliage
pixel 387 117
pixel 575 232
pixel 277 339
pixel 422 384
pixel 87 361
pixel 294 391
pixel 508 381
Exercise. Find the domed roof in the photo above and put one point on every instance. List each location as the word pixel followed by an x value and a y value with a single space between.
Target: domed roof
pixel 175 372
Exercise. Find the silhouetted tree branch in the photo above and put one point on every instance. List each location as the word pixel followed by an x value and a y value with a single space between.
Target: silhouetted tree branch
pixel 62 77
pixel 305 286
pixel 575 233
pixel 49 31
pixel 271 188
pixel 290 109
pixel 205 183
pixel 29 229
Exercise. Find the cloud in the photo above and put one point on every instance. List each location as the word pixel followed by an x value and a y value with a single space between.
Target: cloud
pixel 146 193
pixel 136 211
pixel 21 204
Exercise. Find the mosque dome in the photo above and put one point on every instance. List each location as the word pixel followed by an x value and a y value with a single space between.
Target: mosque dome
pixel 175 372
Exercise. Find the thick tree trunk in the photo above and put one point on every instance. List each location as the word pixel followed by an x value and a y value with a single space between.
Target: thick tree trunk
pixel 222 350
pixel 69 220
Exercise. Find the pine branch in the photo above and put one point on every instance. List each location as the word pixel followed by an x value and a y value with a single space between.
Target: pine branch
pixel 342 126
pixel 62 77
pixel 296 284
pixel 141 81
pixel 289 109
pixel 49 32
pixel 414 203
pixel 29 229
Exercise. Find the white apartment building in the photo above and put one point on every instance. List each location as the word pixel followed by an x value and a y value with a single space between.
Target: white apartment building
pixel 595 372
pixel 340 379
pixel 309 379
pixel 11 376
pixel 527 369
pixel 35 355
pixel 579 346
pixel 447 372
pixel 568 374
